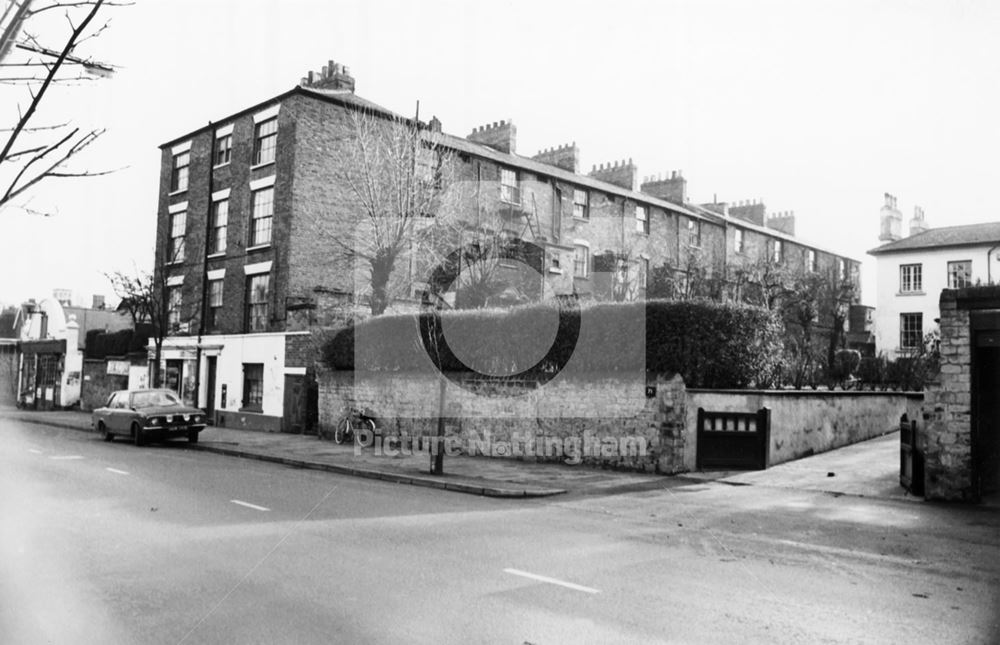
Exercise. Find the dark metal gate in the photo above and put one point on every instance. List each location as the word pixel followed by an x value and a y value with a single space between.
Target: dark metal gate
pixel 911 460
pixel 733 440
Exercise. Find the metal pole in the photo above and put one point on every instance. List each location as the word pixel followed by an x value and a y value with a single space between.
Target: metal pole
pixel 437 454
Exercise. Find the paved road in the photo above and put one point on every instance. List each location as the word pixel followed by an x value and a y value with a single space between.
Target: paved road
pixel 109 543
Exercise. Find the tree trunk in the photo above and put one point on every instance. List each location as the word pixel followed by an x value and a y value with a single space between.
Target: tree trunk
pixel 157 377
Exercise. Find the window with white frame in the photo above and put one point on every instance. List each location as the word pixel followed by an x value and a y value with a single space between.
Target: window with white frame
pixel 220 224
pixel 696 235
pixel 223 150
pixel 738 240
pixel 261 216
pixel 265 141
pixel 257 296
pixel 214 303
pixel 581 204
pixel 509 191
pixel 911 330
pixel 643 272
pixel 641 219
pixel 174 308
pixel 253 387
pixel 911 278
pixel 960 274
pixel 175 245
pixel 811 264
pixel 777 251
pixel 179 171
pixel 581 261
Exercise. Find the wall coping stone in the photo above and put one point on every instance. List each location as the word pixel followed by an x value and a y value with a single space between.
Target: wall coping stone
pixel 907 394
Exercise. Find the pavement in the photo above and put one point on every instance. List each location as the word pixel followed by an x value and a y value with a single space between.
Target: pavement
pixel 867 469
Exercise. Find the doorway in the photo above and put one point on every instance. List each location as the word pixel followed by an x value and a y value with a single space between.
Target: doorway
pixel 210 369
pixel 986 412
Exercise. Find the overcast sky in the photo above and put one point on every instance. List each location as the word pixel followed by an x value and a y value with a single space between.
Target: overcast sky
pixel 814 107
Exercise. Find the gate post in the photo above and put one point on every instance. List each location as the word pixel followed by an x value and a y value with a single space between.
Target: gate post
pixel 764 429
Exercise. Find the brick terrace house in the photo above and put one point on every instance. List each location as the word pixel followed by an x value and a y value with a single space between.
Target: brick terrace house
pixel 248 277
pixel 912 271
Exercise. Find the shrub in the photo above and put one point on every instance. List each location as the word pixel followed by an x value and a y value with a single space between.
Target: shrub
pixel 101 344
pixel 709 344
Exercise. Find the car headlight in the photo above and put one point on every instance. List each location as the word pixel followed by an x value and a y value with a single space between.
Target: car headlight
pixel 155 421
pixel 187 417
pixel 197 418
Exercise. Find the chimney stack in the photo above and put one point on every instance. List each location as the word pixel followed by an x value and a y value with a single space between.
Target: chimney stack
pixel 333 76
pixel 500 136
pixel 565 156
pixel 750 211
pixel 671 189
pixel 624 174
pixel 918 224
pixel 784 222
pixel 890 220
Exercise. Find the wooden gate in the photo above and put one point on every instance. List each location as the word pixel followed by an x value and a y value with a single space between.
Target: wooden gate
pixel 911 460
pixel 733 440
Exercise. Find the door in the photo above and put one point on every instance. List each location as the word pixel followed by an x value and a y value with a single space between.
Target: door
pixel 986 412
pixel 172 380
pixel 294 420
pixel 210 396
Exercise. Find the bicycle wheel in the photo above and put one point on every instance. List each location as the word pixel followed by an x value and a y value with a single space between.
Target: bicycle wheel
pixel 343 431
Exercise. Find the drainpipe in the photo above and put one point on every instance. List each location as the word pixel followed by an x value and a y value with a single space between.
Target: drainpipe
pixel 204 266
pixel 989 274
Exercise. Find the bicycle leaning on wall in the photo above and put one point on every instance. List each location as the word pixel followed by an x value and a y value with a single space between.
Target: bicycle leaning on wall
pixel 354 422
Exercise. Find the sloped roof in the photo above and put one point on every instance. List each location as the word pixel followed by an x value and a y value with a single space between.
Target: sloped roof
pixel 729 220
pixel 946 236
pixel 526 163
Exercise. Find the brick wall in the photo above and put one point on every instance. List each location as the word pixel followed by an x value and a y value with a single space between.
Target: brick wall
pixel 946 438
pixel 8 374
pixel 312 285
pixel 639 433
pixel 805 422
pixel 98 385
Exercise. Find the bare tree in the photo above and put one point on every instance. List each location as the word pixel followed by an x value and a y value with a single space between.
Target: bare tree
pixel 149 299
pixel 400 181
pixel 33 152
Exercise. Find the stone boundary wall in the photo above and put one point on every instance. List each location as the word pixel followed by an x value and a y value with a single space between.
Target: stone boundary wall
pixel 608 420
pixel 805 422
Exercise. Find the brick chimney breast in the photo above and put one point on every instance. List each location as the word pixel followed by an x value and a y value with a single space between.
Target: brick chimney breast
pixel 784 222
pixel 625 174
pixel 750 211
pixel 918 224
pixel 565 156
pixel 672 188
pixel 333 76
pixel 890 220
pixel 500 136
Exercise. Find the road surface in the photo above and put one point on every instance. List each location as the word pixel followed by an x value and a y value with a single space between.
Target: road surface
pixel 110 543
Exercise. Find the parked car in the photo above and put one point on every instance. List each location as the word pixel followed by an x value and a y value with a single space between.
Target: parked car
pixel 145 415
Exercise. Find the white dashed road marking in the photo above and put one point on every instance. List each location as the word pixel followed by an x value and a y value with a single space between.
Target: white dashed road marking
pixel 116 471
pixel 64 457
pixel 551 581
pixel 249 505
pixel 35 452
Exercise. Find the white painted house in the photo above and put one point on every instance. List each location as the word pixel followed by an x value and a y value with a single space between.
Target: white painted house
pixel 912 271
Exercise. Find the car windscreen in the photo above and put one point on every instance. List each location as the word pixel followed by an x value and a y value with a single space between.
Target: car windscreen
pixel 154 399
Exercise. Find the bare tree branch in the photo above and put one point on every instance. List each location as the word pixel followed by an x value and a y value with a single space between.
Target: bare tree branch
pixel 82 3
pixel 36 99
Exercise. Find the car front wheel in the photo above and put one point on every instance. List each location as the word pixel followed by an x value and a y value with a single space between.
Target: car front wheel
pixel 108 436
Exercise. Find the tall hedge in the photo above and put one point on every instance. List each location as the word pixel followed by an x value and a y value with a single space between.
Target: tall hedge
pixel 101 344
pixel 709 344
